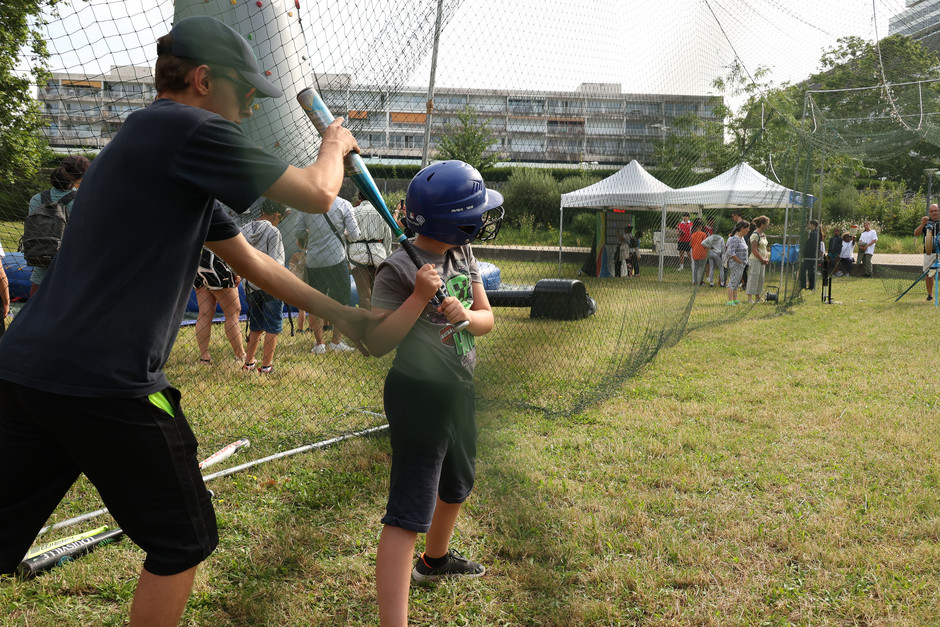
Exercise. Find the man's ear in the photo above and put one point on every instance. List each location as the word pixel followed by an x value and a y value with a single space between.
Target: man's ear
pixel 200 79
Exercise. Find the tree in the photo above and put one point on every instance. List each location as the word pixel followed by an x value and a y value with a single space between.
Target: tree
pixel 468 140
pixel 693 151
pixel 890 128
pixel 21 144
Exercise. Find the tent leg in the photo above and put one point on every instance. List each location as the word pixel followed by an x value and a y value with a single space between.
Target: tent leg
pixel 662 243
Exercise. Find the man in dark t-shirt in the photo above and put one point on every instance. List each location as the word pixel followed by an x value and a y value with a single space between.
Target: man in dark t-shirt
pixel 929 226
pixel 82 383
pixel 810 256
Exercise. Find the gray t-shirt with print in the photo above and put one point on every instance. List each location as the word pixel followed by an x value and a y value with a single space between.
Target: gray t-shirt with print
pixel 431 351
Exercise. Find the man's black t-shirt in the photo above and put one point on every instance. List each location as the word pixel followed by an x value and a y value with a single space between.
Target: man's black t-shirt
pixel 105 319
pixel 812 245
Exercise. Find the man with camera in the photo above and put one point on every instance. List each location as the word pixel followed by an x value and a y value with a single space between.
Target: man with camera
pixel 929 227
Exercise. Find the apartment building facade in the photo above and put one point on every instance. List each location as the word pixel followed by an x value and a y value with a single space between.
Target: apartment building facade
pixel 596 123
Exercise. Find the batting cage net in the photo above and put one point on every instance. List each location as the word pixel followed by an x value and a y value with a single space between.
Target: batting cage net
pixel 621 137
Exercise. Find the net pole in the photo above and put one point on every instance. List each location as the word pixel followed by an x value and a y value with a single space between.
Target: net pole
pixel 430 103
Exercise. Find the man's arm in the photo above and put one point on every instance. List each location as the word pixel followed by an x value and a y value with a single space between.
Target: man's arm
pixel 280 282
pixel 312 189
pixel 920 229
pixel 4 292
pixel 350 224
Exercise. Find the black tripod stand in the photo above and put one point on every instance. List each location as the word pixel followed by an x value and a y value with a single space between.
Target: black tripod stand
pixel 932 243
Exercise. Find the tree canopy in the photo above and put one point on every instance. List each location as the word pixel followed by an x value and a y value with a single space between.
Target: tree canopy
pixel 21 144
pixel 469 140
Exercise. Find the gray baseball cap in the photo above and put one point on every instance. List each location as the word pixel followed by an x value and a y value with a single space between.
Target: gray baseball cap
pixel 206 39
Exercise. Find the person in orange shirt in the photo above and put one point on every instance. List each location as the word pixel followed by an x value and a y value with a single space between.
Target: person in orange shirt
pixel 699 252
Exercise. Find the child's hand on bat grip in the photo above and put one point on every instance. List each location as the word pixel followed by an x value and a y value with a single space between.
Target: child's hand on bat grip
pixel 454 310
pixel 427 281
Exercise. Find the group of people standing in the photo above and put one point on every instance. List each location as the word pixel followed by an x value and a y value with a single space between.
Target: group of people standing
pixel 344 240
pixel 741 260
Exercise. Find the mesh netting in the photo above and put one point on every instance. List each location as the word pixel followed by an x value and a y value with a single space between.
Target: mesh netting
pixel 571 91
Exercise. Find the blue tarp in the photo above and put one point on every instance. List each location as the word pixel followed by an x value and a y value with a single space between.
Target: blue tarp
pixel 776 253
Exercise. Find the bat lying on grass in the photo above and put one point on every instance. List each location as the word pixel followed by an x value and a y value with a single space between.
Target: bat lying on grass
pixel 31 566
pixel 54 544
pixel 57 552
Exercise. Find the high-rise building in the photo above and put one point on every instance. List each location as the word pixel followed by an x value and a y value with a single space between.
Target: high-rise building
pixel 920 20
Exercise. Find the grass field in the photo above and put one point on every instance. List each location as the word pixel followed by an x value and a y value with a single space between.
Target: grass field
pixel 779 469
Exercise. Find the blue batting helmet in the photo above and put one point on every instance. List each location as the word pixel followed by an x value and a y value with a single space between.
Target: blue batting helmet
pixel 448 202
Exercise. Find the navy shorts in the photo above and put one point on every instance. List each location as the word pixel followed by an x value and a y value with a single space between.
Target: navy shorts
pixel 433 431
pixel 332 281
pixel 264 312
pixel 684 246
pixel 141 459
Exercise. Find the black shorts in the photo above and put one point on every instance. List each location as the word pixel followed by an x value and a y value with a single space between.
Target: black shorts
pixel 141 460
pixel 433 431
pixel 332 281
pixel 684 246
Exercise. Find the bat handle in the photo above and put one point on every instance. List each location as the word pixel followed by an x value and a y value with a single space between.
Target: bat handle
pixel 441 291
pixel 436 302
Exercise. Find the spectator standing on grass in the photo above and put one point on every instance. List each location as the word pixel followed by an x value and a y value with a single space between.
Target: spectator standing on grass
pixel 846 258
pixel 264 310
pixel 699 253
pixel 929 227
pixel 89 390
pixel 684 244
pixel 758 260
pixel 217 284
pixel 635 250
pixel 298 267
pixel 835 250
pixel 66 179
pixel 327 263
pixel 810 256
pixel 736 254
pixel 715 244
pixel 369 250
pixel 866 248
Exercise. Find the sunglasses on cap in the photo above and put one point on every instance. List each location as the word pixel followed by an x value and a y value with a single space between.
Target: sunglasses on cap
pixel 248 89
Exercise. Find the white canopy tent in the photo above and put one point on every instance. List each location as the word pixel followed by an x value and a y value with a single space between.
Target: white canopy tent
pixel 632 186
pixel 742 186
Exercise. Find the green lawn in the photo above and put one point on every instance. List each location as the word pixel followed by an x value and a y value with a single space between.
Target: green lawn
pixel 777 470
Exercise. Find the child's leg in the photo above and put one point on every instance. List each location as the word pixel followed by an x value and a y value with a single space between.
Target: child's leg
pixel 270 343
pixel 253 338
pixel 207 301
pixel 231 307
pixel 317 324
pixel 393 565
pixel 437 540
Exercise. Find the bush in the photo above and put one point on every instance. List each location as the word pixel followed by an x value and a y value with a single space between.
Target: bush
pixel 583 223
pixel 534 192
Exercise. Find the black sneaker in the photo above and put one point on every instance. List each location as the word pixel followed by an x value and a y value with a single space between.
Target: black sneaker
pixel 456 566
